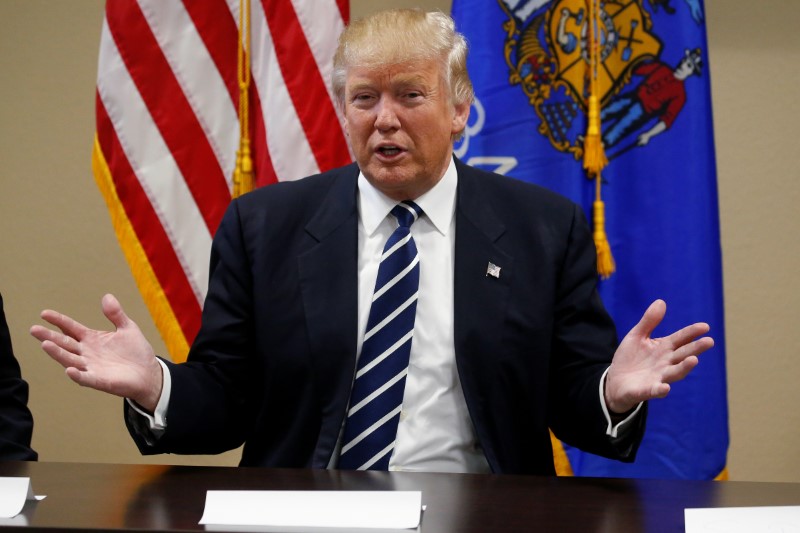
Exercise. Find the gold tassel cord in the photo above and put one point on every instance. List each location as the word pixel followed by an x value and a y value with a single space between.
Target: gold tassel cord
pixel 605 261
pixel 594 156
pixel 243 174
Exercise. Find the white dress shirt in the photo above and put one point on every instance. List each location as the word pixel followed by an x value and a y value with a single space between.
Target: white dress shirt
pixel 435 433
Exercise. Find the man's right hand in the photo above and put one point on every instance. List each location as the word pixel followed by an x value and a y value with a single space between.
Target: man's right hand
pixel 119 362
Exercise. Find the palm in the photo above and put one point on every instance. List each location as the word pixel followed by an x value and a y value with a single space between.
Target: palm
pixel 643 367
pixel 120 362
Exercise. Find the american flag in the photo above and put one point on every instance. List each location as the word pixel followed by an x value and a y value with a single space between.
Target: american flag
pixel 168 129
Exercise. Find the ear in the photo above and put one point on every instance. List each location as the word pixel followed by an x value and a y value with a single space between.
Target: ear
pixel 460 116
pixel 345 122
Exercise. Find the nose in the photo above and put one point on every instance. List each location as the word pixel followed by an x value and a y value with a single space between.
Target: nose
pixel 386 118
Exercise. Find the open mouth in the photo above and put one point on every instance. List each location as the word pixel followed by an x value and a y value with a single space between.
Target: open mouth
pixel 389 151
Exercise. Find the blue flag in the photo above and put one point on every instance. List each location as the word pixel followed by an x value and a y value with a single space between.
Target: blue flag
pixel 529 64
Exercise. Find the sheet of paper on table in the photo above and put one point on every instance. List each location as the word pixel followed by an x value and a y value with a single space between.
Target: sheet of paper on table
pixel 743 519
pixel 382 510
pixel 14 492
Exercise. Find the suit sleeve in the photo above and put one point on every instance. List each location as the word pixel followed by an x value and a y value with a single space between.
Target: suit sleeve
pixel 16 422
pixel 584 342
pixel 209 406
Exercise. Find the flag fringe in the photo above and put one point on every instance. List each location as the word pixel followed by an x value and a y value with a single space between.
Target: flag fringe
pixel 153 294
pixel 560 459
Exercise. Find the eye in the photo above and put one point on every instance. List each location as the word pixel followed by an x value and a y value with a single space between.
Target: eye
pixel 361 99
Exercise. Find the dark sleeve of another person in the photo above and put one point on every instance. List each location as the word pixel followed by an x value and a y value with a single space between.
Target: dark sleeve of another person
pixel 16 422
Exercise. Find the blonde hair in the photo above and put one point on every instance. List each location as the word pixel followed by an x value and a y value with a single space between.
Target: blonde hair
pixel 399 36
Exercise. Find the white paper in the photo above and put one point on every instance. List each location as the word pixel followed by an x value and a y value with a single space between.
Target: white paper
pixel 313 509
pixel 743 520
pixel 14 491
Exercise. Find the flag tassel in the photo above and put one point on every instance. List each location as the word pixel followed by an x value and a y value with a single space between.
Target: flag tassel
pixel 243 175
pixel 605 261
pixel 594 155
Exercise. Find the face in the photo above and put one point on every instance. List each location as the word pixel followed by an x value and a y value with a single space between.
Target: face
pixel 685 69
pixel 400 121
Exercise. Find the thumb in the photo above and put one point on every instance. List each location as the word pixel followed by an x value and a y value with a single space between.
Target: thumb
pixel 651 319
pixel 112 309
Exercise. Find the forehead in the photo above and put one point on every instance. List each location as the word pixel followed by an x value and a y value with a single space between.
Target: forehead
pixel 425 72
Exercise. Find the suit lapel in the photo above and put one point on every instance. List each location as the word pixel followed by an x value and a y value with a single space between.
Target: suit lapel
pixel 480 296
pixel 329 288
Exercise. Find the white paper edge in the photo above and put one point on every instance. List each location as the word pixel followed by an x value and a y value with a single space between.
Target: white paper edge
pixel 14 492
pixel 742 519
pixel 321 509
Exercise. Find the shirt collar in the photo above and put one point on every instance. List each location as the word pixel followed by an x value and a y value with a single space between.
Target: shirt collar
pixel 438 204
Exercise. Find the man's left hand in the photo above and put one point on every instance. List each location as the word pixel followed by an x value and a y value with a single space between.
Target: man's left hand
pixel 643 367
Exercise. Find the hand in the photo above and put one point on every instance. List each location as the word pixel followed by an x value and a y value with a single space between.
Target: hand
pixel 643 367
pixel 119 362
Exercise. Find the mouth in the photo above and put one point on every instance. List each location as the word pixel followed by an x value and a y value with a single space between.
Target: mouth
pixel 389 151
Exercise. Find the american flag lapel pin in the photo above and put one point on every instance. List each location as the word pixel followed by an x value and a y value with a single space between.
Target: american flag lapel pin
pixel 493 270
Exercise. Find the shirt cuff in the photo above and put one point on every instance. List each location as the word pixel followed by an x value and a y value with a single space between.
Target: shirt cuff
pixel 157 422
pixel 613 429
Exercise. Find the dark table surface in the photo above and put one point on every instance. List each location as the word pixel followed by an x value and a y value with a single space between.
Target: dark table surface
pixel 171 498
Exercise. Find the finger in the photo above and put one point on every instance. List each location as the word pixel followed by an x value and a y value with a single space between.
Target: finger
pixel 694 348
pixel 687 334
pixel 113 311
pixel 659 391
pixel 63 357
pixel 66 342
pixel 82 377
pixel 651 319
pixel 66 324
pixel 681 370
pixel 74 374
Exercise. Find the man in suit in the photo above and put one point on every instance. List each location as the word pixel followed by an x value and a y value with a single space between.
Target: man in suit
pixel 509 336
pixel 16 422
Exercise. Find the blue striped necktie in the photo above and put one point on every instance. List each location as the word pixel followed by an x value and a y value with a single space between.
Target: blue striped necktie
pixel 377 396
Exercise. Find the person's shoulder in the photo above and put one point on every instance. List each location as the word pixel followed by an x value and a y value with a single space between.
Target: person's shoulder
pixel 301 191
pixel 510 189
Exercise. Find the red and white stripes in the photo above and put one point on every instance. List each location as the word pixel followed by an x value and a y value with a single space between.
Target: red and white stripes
pixel 167 129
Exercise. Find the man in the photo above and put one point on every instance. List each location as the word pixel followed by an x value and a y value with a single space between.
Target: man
pixel 16 422
pixel 507 336
pixel 662 94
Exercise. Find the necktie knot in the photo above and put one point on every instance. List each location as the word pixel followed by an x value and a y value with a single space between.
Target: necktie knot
pixel 406 213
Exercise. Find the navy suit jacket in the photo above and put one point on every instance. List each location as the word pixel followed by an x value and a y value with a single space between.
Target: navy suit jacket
pixel 273 364
pixel 16 422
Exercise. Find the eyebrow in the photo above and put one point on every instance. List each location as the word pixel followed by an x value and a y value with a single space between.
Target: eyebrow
pixel 401 81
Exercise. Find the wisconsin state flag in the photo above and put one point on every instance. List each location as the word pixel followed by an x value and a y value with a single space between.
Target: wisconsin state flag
pixel 529 61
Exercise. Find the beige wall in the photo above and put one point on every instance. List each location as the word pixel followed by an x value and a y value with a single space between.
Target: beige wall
pixel 57 248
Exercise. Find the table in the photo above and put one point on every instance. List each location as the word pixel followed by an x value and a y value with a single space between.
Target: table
pixel 171 498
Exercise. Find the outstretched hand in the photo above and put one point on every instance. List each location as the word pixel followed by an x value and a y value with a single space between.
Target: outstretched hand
pixel 644 367
pixel 119 362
